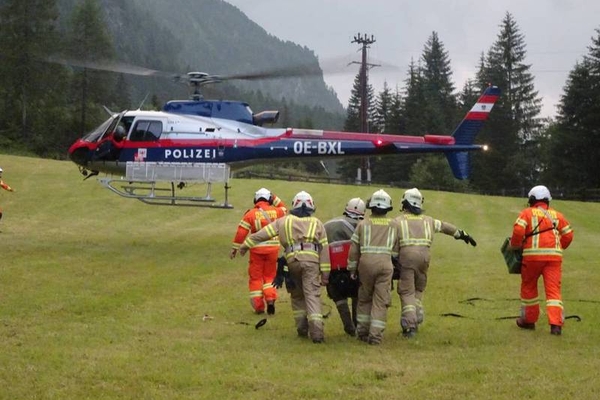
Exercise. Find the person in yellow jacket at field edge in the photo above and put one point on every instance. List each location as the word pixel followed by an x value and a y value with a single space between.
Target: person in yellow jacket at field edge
pixel 542 233
pixel 262 265
pixel 306 251
pixel 5 187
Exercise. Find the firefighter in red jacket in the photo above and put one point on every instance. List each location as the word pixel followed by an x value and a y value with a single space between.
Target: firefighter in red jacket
pixel 263 258
pixel 5 187
pixel 542 233
pixel 340 287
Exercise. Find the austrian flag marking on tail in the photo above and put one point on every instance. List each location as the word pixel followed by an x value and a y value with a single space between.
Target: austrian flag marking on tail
pixel 484 105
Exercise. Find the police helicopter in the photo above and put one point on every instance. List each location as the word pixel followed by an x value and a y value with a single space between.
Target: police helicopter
pixel 200 141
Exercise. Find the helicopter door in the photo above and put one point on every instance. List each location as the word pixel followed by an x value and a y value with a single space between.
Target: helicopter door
pixel 146 131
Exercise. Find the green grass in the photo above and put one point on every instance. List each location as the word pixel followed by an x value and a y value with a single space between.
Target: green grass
pixel 102 297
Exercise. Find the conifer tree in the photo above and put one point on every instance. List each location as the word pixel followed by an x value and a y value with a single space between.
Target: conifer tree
pixel 89 41
pixel 348 168
pixel 383 111
pixel 438 88
pixel 574 142
pixel 28 86
pixel 514 126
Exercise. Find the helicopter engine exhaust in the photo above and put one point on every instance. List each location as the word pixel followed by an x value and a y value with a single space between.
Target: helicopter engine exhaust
pixel 265 117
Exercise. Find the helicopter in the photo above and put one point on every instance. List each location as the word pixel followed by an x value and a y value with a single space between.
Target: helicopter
pixel 201 141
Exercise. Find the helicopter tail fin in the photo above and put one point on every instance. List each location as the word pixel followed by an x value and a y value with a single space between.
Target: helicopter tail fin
pixel 469 127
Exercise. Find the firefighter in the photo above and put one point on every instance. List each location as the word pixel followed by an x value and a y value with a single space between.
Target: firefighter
pixel 340 287
pixel 374 243
pixel 416 238
pixel 262 265
pixel 542 233
pixel 5 187
pixel 306 251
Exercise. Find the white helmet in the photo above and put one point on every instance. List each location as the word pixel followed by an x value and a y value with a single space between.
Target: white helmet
pixel 539 192
pixel 355 208
pixel 303 199
pixel 413 197
pixel 262 193
pixel 380 200
pixel 0 170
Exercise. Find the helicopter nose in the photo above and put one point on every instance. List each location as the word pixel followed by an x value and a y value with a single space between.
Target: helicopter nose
pixel 78 153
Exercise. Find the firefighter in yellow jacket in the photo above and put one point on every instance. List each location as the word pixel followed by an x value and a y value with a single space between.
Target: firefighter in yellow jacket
pixel 5 187
pixel 374 242
pixel 306 250
pixel 416 237
pixel 542 233
pixel 262 265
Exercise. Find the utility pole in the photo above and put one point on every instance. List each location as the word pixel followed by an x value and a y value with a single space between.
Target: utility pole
pixel 364 41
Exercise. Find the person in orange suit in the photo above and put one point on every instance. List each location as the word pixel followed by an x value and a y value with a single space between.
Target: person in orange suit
pixel 5 187
pixel 262 266
pixel 542 233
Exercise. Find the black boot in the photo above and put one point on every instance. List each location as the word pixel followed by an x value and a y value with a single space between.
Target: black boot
pixel 346 317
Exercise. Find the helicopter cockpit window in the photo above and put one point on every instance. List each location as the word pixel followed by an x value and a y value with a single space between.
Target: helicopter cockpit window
pixel 94 135
pixel 145 131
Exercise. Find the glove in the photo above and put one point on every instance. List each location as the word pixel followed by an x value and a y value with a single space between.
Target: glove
pixel 278 281
pixel 462 235
pixel 280 276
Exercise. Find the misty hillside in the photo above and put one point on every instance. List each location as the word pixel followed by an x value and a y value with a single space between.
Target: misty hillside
pixel 210 36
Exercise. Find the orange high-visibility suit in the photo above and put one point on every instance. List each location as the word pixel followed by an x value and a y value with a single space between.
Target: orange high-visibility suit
pixel 262 266
pixel 542 256
pixel 5 187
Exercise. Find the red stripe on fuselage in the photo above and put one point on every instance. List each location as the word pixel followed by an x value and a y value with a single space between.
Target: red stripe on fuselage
pixel 362 137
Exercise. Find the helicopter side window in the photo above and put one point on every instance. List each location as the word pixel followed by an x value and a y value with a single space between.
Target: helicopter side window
pixel 146 131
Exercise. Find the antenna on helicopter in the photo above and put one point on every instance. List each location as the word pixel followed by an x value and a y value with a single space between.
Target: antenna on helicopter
pixel 143 101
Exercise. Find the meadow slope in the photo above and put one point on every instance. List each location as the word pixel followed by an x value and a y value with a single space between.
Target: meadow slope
pixel 103 297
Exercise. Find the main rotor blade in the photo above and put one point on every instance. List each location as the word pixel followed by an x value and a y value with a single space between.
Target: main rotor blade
pixel 111 66
pixel 285 72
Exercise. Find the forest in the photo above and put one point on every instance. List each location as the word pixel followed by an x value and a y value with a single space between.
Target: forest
pixel 46 106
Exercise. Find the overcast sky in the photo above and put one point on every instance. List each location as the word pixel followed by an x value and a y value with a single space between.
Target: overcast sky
pixel 557 35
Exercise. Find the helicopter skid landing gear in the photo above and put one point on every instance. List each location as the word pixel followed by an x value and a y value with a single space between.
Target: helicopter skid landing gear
pixel 151 192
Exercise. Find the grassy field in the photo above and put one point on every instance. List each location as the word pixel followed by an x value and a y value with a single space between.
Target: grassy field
pixel 103 297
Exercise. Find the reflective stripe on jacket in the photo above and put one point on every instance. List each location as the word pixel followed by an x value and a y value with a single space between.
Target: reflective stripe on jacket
pixel 294 231
pixel 372 239
pixel 418 230
pixel 254 220
pixel 555 233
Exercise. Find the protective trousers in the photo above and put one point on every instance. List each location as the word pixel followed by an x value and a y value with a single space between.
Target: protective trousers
pixel 373 300
pixel 412 284
pixel 262 269
pixel 306 298
pixel 339 289
pixel 530 307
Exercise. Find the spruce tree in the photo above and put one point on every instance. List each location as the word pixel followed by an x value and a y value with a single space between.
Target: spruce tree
pixel 28 85
pixel 438 88
pixel 348 168
pixel 89 41
pixel 572 161
pixel 514 127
